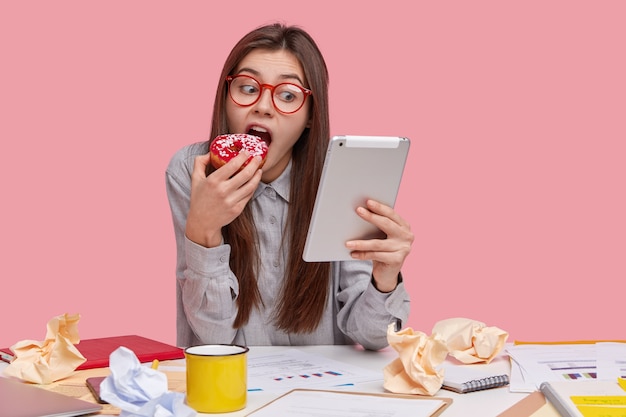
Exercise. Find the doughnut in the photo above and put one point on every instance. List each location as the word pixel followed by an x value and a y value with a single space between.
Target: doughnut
pixel 226 147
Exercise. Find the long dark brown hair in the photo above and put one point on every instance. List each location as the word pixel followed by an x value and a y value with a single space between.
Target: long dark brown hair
pixel 305 288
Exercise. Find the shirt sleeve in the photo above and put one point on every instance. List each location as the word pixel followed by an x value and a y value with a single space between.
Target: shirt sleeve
pixel 208 293
pixel 206 288
pixel 364 313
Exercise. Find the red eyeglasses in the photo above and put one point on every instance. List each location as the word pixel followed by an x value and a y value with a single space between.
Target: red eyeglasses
pixel 287 98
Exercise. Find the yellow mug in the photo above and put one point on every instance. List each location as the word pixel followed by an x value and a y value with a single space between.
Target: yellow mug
pixel 217 378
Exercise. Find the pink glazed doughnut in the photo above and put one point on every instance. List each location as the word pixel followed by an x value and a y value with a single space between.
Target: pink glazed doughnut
pixel 225 147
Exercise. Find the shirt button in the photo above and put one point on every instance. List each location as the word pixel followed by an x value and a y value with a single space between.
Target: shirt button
pixel 223 259
pixel 270 192
pixel 276 264
pixel 272 220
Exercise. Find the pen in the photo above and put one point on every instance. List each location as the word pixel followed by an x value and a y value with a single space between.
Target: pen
pixel 155 364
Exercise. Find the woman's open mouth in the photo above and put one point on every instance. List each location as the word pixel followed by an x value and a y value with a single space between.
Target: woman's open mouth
pixel 262 133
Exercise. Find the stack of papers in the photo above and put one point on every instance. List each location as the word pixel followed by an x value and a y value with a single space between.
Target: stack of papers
pixel 532 364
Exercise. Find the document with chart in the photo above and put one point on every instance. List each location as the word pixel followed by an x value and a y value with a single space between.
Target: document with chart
pixel 285 370
pixel 538 363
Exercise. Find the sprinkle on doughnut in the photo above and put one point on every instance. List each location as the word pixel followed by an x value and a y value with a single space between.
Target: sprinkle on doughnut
pixel 226 147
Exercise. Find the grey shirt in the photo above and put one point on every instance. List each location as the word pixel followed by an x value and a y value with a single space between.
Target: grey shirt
pixel 206 287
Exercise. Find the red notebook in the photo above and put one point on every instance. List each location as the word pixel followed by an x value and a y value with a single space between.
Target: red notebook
pixel 97 351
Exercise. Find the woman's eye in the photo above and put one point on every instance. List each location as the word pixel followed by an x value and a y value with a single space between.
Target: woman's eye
pixel 248 89
pixel 286 96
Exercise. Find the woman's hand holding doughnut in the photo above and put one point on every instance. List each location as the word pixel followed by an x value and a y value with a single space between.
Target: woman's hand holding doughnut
pixel 219 198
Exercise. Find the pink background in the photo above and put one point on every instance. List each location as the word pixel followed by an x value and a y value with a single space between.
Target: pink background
pixel 515 186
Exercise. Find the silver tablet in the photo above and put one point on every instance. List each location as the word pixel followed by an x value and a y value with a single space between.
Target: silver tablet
pixel 356 168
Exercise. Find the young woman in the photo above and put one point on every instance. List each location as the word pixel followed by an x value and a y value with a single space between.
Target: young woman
pixel 240 234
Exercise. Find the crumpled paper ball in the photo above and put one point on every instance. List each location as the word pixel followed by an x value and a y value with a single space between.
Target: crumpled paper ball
pixel 471 341
pixel 140 391
pixel 52 359
pixel 414 371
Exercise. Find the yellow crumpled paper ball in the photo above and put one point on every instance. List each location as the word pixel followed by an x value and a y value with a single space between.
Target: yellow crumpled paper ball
pixel 471 341
pixel 52 359
pixel 414 371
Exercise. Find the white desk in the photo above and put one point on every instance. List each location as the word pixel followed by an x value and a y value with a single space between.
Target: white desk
pixel 487 403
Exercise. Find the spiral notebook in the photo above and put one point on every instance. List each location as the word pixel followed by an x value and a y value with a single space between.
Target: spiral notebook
pixel 470 378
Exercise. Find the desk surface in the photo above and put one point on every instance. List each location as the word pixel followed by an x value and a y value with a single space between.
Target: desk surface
pixel 487 403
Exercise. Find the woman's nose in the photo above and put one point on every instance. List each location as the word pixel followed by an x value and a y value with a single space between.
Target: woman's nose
pixel 265 103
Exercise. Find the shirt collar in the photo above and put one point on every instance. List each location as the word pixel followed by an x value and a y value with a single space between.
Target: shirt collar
pixel 282 184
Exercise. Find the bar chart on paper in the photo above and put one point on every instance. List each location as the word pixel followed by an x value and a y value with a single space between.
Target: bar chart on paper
pixel 580 375
pixel 572 370
pixel 284 371
pixel 305 376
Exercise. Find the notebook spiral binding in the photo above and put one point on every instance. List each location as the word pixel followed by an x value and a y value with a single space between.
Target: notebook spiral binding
pixel 485 383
